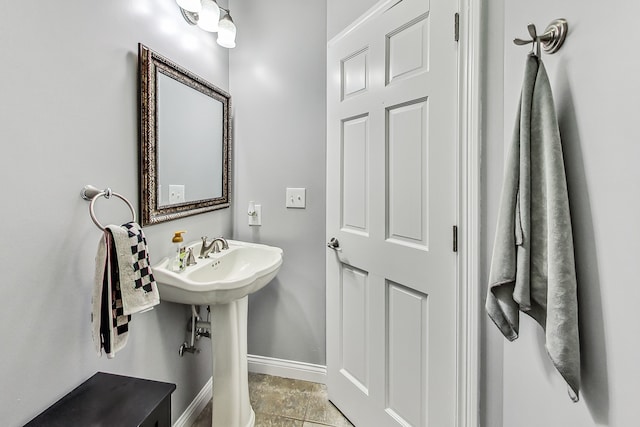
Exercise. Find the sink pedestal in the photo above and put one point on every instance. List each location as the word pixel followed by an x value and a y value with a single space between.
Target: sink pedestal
pixel 223 281
pixel 231 406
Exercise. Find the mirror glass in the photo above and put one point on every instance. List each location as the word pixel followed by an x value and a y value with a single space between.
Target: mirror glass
pixel 184 141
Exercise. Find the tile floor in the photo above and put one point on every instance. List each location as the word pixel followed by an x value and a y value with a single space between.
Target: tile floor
pixel 283 402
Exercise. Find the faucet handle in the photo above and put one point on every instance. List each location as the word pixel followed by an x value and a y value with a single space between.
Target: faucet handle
pixel 190 258
pixel 204 252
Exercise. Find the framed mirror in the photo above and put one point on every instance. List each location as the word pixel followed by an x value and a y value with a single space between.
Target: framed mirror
pixel 185 141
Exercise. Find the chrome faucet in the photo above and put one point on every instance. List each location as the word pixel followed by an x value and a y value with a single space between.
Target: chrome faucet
pixel 213 246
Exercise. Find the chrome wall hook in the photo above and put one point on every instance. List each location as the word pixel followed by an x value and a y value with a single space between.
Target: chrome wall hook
pixel 552 38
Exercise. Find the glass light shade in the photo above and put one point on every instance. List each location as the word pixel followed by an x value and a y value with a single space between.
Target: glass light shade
pixel 190 5
pixel 227 32
pixel 209 16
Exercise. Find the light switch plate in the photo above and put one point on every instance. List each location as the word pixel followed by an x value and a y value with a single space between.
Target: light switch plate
pixel 256 219
pixel 296 198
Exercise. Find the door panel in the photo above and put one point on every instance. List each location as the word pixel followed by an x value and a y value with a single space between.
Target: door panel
pixel 355 77
pixel 407 173
pixel 407 344
pixel 391 203
pixel 355 308
pixel 407 50
pixel 355 174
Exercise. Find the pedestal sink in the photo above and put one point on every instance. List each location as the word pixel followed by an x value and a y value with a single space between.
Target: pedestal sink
pixel 223 281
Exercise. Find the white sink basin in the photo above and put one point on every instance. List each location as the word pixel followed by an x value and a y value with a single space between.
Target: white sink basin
pixel 224 277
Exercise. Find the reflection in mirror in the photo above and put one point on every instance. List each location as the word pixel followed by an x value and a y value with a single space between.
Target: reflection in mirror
pixel 184 141
pixel 188 140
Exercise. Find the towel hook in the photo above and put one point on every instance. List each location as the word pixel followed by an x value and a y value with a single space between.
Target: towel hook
pixel 552 38
pixel 91 193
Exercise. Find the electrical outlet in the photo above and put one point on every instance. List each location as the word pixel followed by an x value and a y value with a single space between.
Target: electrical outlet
pixel 176 194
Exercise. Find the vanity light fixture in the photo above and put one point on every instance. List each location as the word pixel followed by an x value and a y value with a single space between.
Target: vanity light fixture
pixel 206 15
pixel 227 31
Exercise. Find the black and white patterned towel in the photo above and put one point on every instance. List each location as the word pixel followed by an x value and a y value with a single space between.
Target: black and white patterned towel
pixel 110 326
pixel 124 285
pixel 139 289
pixel 142 270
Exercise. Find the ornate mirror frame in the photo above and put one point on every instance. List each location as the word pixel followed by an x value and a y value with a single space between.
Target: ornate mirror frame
pixel 150 64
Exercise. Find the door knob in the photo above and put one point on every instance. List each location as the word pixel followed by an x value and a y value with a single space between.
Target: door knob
pixel 334 244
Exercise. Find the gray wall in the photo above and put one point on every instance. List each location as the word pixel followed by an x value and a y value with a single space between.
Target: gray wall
pixel 595 84
pixel 277 81
pixel 69 117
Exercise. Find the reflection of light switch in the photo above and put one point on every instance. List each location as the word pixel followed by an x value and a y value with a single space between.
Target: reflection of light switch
pixel 176 194
pixel 296 198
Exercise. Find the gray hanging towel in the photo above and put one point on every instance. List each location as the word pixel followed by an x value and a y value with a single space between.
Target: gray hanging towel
pixel 533 268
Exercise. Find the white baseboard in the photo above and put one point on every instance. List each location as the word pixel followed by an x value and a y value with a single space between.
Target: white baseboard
pixel 194 409
pixel 287 368
pixel 260 365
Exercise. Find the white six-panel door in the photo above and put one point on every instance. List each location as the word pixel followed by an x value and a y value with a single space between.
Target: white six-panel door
pixel 391 205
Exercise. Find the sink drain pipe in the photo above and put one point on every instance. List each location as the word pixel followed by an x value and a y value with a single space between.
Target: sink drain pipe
pixel 198 328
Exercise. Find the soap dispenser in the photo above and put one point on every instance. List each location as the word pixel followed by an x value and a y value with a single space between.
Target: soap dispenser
pixel 179 254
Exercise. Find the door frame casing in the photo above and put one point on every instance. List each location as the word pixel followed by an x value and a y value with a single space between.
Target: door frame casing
pixel 468 284
pixel 469 228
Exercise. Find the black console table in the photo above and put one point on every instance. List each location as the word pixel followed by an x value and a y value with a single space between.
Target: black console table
pixel 108 400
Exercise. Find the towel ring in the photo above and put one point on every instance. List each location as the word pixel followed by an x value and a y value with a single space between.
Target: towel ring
pixel 91 193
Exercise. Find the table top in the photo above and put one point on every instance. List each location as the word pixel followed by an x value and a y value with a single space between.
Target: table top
pixel 106 400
